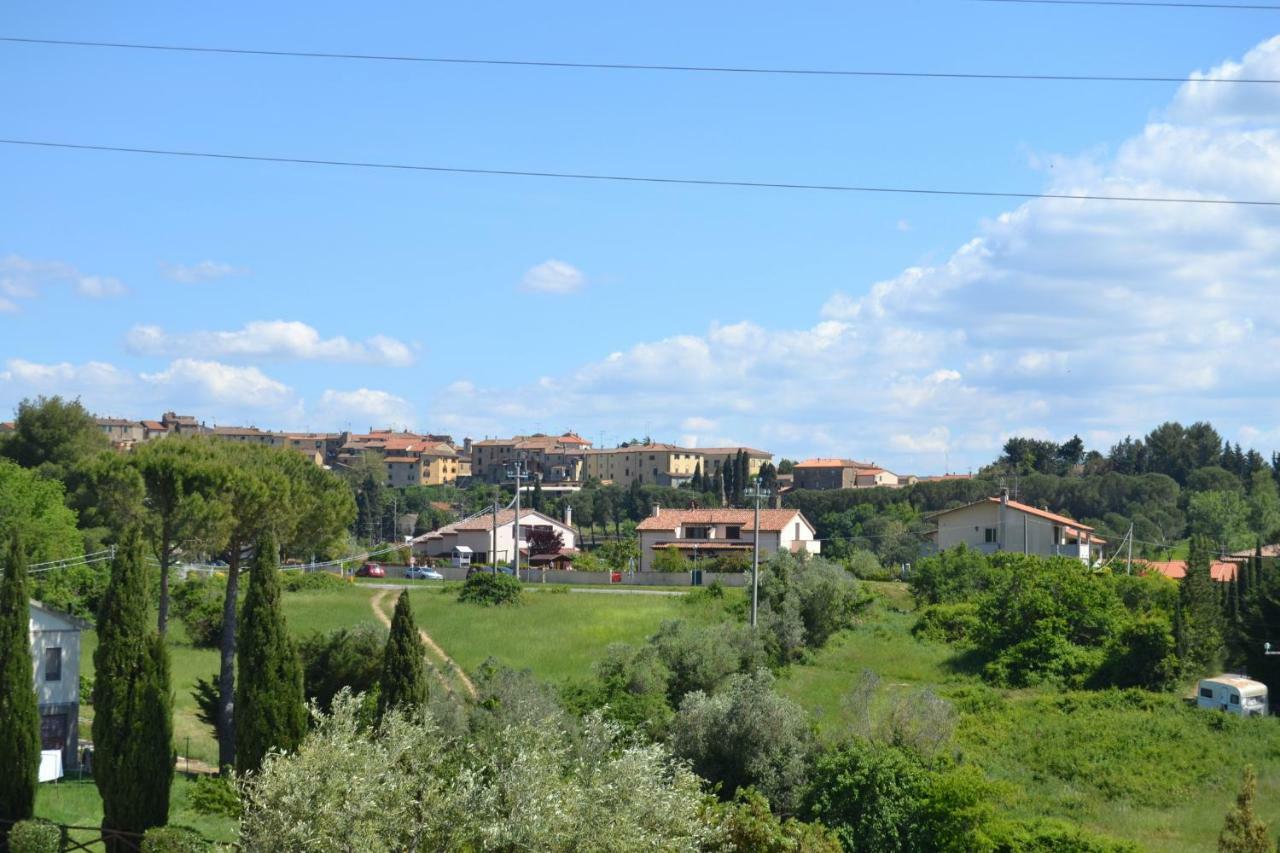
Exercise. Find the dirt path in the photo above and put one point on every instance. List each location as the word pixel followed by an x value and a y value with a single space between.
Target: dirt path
pixel 442 663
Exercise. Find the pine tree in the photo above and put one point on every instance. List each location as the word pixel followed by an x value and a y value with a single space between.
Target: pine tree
pixel 132 702
pixel 19 714
pixel 403 683
pixel 1243 831
pixel 270 710
pixel 1198 624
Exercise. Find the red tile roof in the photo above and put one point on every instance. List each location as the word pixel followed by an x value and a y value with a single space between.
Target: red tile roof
pixel 155 426
pixel 770 519
pixel 1044 513
pixel 1221 570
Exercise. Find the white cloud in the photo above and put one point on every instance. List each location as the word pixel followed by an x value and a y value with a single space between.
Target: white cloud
pixel 365 407
pixel 23 279
pixel 200 272
pixel 221 383
pixel 276 339
pixel 553 276
pixel 1059 315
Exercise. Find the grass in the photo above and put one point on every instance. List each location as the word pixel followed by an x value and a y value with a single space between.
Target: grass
pixel 1132 765
pixel 76 802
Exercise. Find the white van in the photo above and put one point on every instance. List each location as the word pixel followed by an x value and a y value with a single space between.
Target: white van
pixel 1234 694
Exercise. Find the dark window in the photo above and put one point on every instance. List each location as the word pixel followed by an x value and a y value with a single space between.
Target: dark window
pixel 1235 700
pixel 53 664
pixel 53 731
pixel 989 535
pixel 734 532
pixel 696 533
pixel 1206 693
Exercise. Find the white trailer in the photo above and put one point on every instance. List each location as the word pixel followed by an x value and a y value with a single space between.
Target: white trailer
pixel 1233 694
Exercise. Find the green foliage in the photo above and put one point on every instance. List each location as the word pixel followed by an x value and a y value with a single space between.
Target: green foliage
pixel 865 565
pixel 745 825
pixel 76 589
pixel 132 701
pixel 523 786
pixel 403 681
pixel 868 793
pixel 955 575
pixel 1048 836
pixel 174 839
pixel 490 589
pixel 1243 831
pixel 918 720
pixel 1220 516
pixel 803 602
pixel 344 657
pixel 35 505
pixel 310 581
pixel 271 713
pixel 629 688
pixel 214 795
pixel 53 436
pixel 618 554
pixel 947 623
pixel 746 735
pixel 670 560
pixel 198 603
pixel 35 836
pixel 1197 623
pixel 702 658
pixel 19 714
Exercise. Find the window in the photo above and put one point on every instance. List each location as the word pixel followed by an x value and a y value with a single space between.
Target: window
pixel 696 533
pixel 1206 693
pixel 733 531
pixel 989 535
pixel 53 664
pixel 1235 700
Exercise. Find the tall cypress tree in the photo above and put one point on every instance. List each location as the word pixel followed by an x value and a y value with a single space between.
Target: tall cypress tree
pixel 403 681
pixel 1198 623
pixel 132 703
pixel 19 714
pixel 270 710
pixel 730 472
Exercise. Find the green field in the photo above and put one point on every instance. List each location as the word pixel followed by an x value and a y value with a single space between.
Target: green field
pixel 75 802
pixel 1138 766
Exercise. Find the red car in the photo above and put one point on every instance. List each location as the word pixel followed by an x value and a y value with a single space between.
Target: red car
pixel 371 570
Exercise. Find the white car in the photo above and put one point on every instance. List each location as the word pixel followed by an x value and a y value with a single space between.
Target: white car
pixel 422 573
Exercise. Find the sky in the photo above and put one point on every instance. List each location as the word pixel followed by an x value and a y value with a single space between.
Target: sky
pixel 914 331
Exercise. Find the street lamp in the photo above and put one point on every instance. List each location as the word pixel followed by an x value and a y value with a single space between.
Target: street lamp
pixel 755 492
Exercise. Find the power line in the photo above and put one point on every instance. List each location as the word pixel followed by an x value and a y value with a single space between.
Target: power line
pixel 635 66
pixel 639 179
pixel 1249 7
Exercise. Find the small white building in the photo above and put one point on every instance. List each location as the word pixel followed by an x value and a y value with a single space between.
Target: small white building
pixel 1000 524
pixel 714 532
pixel 490 541
pixel 1233 694
pixel 55 652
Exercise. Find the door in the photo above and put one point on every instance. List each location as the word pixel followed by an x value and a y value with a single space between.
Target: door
pixel 53 731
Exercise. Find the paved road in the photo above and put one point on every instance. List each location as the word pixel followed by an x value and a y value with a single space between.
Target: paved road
pixel 603 590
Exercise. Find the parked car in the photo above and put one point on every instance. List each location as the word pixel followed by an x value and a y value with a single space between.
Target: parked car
pixel 422 573
pixel 371 570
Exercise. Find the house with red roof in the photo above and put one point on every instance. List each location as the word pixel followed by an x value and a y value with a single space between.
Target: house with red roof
pixel 705 533
pixel 1001 524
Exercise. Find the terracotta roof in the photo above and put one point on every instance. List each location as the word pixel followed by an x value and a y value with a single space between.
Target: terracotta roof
pixel 155 426
pixel 1220 570
pixel 1044 513
pixel 770 519
pixel 7 425
pixel 505 517
pixel 726 451
pixel 832 463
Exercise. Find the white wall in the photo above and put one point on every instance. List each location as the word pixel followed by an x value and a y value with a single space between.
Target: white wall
pixel 47 631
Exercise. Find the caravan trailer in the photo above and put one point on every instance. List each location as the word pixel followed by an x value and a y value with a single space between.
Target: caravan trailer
pixel 1234 694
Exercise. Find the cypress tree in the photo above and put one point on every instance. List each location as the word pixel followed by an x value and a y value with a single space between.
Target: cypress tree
pixel 132 702
pixel 1243 831
pixel 1198 623
pixel 270 709
pixel 19 714
pixel 730 486
pixel 403 681
pixel 537 494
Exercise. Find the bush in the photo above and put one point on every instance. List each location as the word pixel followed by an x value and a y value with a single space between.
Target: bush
pixel 214 795
pixel 803 602
pixel 727 564
pixel 345 657
pixel 746 826
pixel 865 565
pixel 869 794
pixel 174 839
pixel 299 581
pixel 197 603
pixel 947 623
pixel 630 688
pixel 35 836
pixel 670 560
pixel 746 736
pixel 490 589
pixel 957 574
pixel 702 658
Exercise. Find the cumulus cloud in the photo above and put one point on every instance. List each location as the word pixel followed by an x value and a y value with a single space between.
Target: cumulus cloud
pixel 221 383
pixel 24 279
pixel 365 406
pixel 553 276
pixel 275 339
pixel 1058 316
pixel 201 272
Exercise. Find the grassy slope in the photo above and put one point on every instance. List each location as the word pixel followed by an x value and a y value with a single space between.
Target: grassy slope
pixel 1137 766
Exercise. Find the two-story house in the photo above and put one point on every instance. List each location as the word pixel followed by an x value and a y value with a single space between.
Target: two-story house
pixel 716 532
pixel 55 653
pixel 486 539
pixel 1001 524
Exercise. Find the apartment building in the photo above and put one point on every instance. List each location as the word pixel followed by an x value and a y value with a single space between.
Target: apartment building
pixel 647 464
pixel 550 458
pixel 250 435
pixel 725 456
pixel 421 464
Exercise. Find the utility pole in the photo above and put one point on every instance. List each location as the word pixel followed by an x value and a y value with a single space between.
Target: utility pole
pixel 1128 569
pixel 756 493
pixel 517 472
pixel 493 551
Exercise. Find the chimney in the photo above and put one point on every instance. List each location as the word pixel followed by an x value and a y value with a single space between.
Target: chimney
pixel 657 510
pixel 568 515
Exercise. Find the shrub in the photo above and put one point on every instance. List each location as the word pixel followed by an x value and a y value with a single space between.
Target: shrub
pixel 345 657
pixel 947 623
pixel 174 839
pixel 197 603
pixel 865 565
pixel 300 581
pixel 630 687
pixel 728 564
pixel 1046 836
pixel 35 836
pixel 804 602
pixel 670 560
pixel 746 735
pixel 75 589
pixel 746 826
pixel 214 795
pixel 490 589
pixel 956 574
pixel 701 658
pixel 868 793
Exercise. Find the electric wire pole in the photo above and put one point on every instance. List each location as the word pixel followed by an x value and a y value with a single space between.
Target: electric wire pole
pixel 757 493
pixel 518 472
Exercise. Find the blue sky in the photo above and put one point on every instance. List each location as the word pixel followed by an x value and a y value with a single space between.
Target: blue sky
pixel 296 296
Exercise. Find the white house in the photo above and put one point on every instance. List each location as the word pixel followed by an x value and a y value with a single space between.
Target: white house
pixel 714 532
pixel 1000 524
pixel 489 541
pixel 55 652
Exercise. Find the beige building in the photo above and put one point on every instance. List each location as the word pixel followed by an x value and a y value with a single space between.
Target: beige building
pixel 726 455
pixel 714 532
pixel 1000 524
pixel 550 458
pixel 123 433
pixel 647 464
pixel 250 435
pixel 844 474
